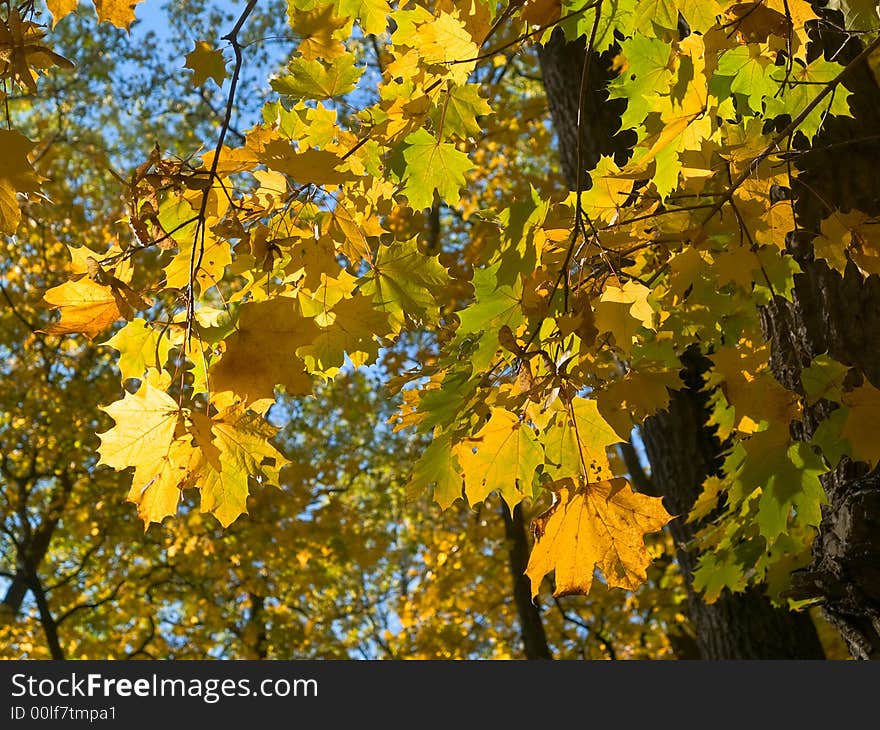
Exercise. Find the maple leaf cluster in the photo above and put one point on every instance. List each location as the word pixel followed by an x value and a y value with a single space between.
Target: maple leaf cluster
pixel 556 318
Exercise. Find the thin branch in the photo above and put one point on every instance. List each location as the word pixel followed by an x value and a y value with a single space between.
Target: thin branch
pixel 198 251
pixel 790 129
pixel 531 34
pixel 14 310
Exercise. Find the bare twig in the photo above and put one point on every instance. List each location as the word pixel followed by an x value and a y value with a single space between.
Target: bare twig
pixel 198 251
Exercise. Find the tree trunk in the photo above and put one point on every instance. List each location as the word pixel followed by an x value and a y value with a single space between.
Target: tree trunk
pixel 682 450
pixel 34 546
pixel 47 620
pixel 531 626
pixel 839 315
pixel 36 551
pixel 562 67
pixel 255 634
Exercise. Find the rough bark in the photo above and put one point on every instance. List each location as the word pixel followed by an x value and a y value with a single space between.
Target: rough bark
pixel 531 626
pixel 839 315
pixel 562 66
pixel 681 448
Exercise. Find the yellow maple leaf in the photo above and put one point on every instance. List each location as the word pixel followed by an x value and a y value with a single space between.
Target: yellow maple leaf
pixel 213 255
pixel 262 353
pixel 851 235
pixel 352 327
pixel 350 228
pixel 16 175
pixel 22 53
pixel 736 265
pixel 541 12
pixel 502 456
pixel 860 428
pixel 145 437
pixel 609 192
pixel 206 62
pixel 576 442
pixel 317 167
pixel 476 17
pixel 61 8
pixel 234 448
pixel 444 40
pixel 622 311
pixel 800 11
pixel 774 224
pixel 756 21
pixel 599 525
pixel 669 136
pixel 144 420
pixel 747 385
pixel 834 239
pixel 118 12
pixel 639 394
pixel 321 31
pixel 158 482
pixel 88 307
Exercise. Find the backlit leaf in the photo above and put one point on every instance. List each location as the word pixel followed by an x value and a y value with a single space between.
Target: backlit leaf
pixel 430 166
pixel 206 62
pixel 261 353
pixel 311 79
pixel 503 455
pixel 599 525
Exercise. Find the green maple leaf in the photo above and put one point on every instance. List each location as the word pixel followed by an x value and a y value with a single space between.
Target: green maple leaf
pixel 807 82
pixel 372 14
pixel 495 305
pixel 459 111
pixel 792 487
pixel 662 13
pixel 858 14
pixel 140 346
pixel 700 14
pixel 785 479
pixel 446 403
pixel 430 165
pixel 828 437
pixel 779 270
pixel 615 15
pixel 747 70
pixel 644 78
pixel 437 466
pixel 319 80
pixel 405 283
pixel 717 572
pixel 823 379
